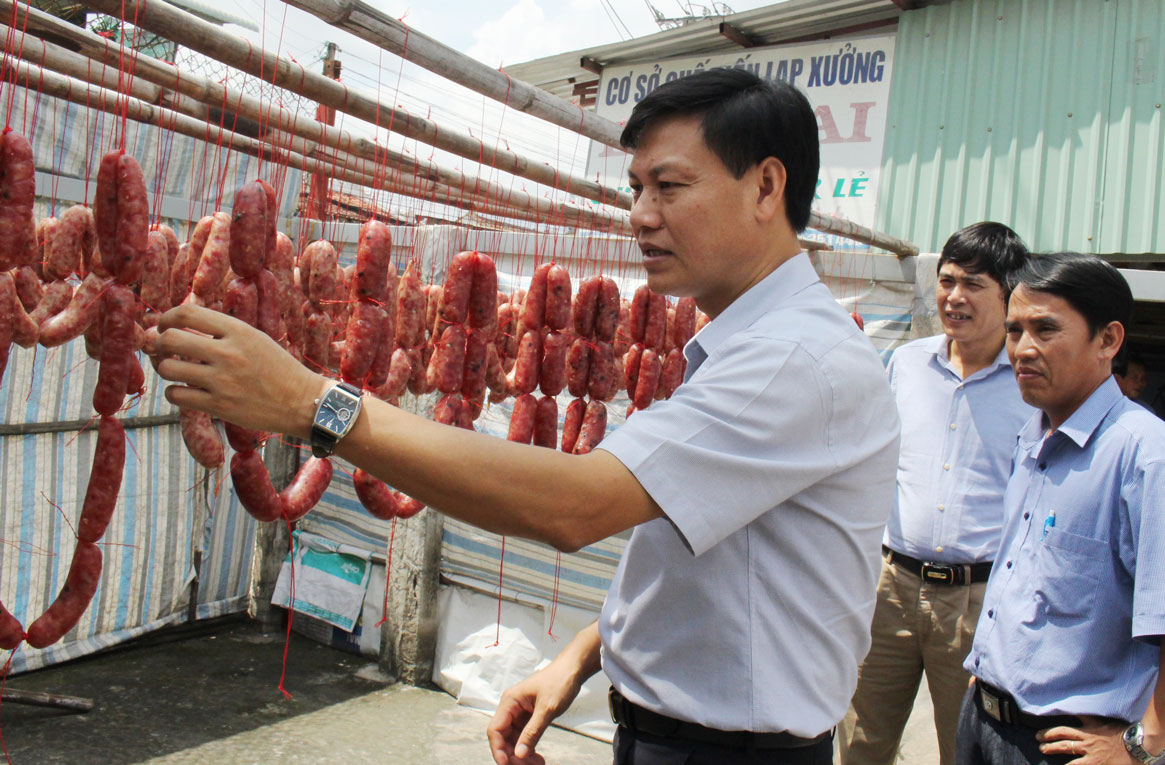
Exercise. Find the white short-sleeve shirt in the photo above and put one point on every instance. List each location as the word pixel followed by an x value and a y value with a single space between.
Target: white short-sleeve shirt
pixel 748 606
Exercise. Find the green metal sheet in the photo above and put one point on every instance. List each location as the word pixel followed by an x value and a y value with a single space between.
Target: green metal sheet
pixel 1042 114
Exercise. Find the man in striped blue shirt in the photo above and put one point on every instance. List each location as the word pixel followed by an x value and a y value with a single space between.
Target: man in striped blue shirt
pixel 1068 656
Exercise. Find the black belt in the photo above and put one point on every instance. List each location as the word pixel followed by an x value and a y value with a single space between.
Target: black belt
pixel 940 573
pixel 640 720
pixel 1001 706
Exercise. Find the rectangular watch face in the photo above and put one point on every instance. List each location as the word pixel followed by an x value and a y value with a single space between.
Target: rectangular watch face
pixel 335 413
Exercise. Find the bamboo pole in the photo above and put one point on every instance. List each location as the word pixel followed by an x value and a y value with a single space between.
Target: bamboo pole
pixel 80 92
pixel 217 95
pixel 361 19
pixel 380 29
pixel 210 40
pixel 345 145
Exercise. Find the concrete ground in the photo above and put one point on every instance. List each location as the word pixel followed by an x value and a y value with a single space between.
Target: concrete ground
pixel 214 698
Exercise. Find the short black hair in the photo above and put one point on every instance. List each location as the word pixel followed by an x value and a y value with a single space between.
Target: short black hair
pixel 985 248
pixel 745 121
pixel 1091 285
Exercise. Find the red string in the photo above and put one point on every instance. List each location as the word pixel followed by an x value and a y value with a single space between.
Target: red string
pixel 4 681
pixel 290 609
pixel 387 574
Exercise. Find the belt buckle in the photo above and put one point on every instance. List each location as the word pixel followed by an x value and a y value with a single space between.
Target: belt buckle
pixel 990 703
pixel 936 572
pixel 611 702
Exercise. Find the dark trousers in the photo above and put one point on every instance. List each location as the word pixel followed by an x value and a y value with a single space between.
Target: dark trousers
pixel 642 749
pixel 983 740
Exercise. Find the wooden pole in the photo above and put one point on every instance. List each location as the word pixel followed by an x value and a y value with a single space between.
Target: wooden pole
pixel 215 94
pixel 210 40
pixel 79 92
pixel 54 700
pixel 380 29
pixel 318 196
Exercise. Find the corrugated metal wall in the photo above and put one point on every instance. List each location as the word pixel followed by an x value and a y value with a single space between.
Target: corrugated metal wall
pixel 1042 114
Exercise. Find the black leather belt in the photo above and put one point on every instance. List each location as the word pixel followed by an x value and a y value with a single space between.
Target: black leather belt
pixel 940 573
pixel 1001 706
pixel 640 720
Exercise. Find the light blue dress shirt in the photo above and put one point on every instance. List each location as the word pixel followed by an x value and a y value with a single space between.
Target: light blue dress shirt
pixel 1075 606
pixel 957 440
pixel 748 607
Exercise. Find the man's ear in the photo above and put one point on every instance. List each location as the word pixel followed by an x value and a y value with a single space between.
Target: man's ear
pixel 770 178
pixel 1111 338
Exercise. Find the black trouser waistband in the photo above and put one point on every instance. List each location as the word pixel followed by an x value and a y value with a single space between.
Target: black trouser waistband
pixel 1001 705
pixel 636 718
pixel 940 573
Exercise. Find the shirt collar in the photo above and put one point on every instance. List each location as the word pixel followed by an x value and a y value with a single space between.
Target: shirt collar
pixel 789 278
pixel 940 347
pixel 1083 422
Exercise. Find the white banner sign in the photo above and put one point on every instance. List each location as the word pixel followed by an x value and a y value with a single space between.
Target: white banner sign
pixel 847 82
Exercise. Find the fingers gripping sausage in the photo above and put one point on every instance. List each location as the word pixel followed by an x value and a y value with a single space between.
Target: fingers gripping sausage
pixel 70 604
pixel 104 481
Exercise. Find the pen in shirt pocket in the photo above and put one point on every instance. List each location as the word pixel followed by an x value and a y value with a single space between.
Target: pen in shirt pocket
pixel 1049 522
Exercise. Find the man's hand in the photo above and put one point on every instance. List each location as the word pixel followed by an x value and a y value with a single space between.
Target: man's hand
pixel 1095 743
pixel 527 709
pixel 235 372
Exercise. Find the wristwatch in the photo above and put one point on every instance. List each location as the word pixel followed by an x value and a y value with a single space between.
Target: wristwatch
pixel 336 410
pixel 1133 738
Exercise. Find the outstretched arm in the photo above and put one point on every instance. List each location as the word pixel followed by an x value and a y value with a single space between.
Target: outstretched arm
pixel 527 709
pixel 237 373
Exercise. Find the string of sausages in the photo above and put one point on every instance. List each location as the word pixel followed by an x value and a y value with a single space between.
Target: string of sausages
pixel 105 308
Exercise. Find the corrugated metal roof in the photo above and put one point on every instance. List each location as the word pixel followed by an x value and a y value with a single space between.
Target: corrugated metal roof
pixel 1043 114
pixel 770 25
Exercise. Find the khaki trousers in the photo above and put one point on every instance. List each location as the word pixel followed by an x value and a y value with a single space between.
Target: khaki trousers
pixel 917 628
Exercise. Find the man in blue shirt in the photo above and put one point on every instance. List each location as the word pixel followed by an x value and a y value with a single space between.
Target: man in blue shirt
pixel 1068 655
pixel 960 410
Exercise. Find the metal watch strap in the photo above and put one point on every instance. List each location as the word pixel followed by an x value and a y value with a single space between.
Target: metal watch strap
pixel 323 442
pixel 1133 740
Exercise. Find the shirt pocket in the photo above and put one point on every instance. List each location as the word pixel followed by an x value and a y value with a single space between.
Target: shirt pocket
pixel 1070 569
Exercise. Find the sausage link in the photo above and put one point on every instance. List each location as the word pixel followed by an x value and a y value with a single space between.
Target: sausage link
pixel 572 423
pixel 253 486
pixel 268 316
pixel 447 366
pixel 155 289
pixel 546 422
pixel 578 367
pixel 656 326
pixel 527 369
pixel 407 507
pixel 586 303
pixel 482 312
pixel 201 438
pixel 248 245
pixel 476 353
pixel 375 496
pixel 56 298
pixel 373 259
pixel 447 409
pixel 25 330
pixel 557 311
pixel 132 223
pixel 214 261
pixel 594 427
pixel 81 312
pixel 11 631
pixel 672 374
pixel 361 340
pixel 685 322
pixel 601 383
pixel 454 298
pixel 640 306
pixel 116 349
pixel 534 306
pixel 28 287
pixel 8 303
pixel 552 375
pixel 243 439
pixel 385 345
pixel 631 368
pixel 171 240
pixel 306 489
pixel 410 308
pixel 645 386
pixel 322 274
pixel 522 419
pixel 18 180
pixel 607 310
pixel 74 597
pixel 495 376
pixel 104 481
pixel 317 339
pixel 242 300
pixel 400 368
